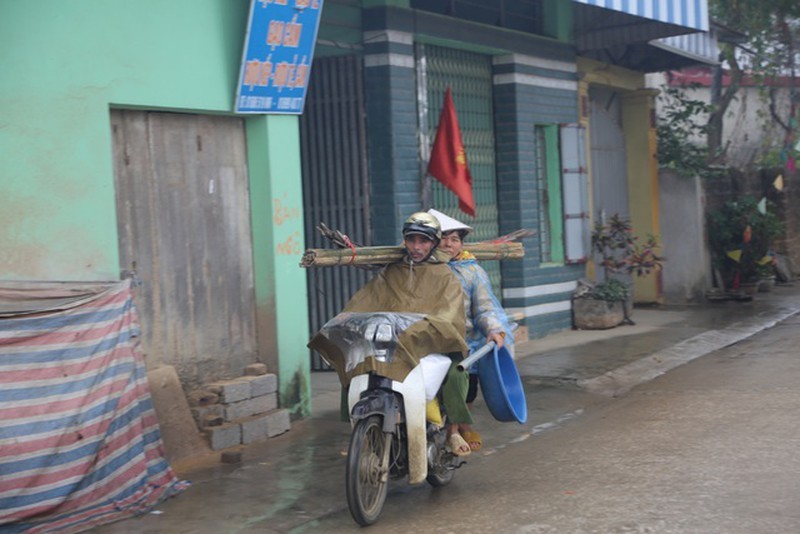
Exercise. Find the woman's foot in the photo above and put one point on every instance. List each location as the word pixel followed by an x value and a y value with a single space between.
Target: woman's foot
pixel 458 445
pixel 472 437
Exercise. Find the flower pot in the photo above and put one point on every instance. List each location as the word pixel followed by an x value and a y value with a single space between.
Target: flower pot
pixel 766 284
pixel 594 314
pixel 749 288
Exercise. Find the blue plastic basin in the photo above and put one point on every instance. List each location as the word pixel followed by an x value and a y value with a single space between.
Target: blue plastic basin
pixel 502 387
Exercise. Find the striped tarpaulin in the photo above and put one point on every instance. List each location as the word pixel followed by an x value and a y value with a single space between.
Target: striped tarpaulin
pixel 79 439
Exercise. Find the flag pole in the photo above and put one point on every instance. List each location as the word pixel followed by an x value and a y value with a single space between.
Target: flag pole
pixel 427 191
pixel 426 181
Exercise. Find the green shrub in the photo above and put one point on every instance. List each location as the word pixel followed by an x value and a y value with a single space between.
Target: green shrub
pixel 611 290
pixel 727 233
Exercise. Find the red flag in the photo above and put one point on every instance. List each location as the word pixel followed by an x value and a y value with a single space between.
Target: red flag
pixel 448 162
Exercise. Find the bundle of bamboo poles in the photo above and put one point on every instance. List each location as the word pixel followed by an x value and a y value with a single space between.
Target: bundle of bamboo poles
pixel 320 257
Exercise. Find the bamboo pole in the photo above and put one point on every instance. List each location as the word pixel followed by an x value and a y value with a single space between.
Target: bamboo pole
pixel 385 255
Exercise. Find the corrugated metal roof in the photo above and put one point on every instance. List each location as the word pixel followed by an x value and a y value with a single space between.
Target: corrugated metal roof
pixel 701 47
pixel 687 13
pixel 645 35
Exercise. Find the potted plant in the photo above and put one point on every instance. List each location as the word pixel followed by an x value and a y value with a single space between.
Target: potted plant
pixel 766 275
pixel 619 254
pixel 740 235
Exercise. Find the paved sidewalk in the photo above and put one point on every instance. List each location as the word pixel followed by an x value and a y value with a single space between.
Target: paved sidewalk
pixel 611 362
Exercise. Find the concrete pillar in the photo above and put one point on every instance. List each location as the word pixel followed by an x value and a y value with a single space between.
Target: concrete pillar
pixel 391 102
pixel 276 196
pixel 531 91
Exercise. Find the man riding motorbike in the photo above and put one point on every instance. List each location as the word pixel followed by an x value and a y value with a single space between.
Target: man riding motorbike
pixel 421 282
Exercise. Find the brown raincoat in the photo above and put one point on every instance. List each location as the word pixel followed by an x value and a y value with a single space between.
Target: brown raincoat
pixel 428 288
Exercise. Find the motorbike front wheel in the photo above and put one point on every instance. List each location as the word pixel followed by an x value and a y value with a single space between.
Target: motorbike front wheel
pixel 367 478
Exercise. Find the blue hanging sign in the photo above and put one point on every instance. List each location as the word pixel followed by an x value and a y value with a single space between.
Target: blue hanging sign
pixel 278 50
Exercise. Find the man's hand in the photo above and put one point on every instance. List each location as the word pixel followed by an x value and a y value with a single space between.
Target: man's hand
pixel 498 337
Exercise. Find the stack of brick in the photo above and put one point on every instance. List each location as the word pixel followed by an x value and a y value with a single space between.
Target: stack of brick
pixel 241 410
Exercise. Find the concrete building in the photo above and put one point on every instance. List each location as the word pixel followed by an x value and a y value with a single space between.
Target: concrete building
pixel 123 156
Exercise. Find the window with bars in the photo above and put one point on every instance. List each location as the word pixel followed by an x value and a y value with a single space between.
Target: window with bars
pixel 571 154
pixel 469 76
pixel 562 193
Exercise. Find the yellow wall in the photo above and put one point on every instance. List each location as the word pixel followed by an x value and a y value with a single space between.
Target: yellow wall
pixel 640 141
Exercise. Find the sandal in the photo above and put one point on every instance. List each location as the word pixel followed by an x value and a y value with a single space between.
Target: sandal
pixel 473 438
pixel 458 445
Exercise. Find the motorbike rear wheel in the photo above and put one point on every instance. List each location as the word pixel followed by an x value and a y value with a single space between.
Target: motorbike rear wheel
pixel 367 477
pixel 438 473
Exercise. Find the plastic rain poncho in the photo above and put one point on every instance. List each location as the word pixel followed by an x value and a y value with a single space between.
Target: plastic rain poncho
pixel 428 288
pixel 485 315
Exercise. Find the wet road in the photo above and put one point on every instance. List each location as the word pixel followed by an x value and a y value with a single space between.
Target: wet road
pixel 710 447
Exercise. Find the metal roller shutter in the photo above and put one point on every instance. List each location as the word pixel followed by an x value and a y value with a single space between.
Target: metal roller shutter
pixel 469 76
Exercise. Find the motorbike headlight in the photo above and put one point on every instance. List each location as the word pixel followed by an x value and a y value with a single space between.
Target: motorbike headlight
pixel 384 333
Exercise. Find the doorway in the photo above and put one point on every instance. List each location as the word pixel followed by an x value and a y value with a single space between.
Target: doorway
pixel 183 215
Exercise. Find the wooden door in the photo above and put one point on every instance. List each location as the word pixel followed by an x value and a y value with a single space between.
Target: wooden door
pixel 184 227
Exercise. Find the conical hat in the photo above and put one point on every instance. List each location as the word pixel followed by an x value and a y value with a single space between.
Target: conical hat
pixel 448 223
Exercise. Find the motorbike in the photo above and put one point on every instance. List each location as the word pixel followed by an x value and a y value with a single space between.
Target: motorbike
pixel 392 437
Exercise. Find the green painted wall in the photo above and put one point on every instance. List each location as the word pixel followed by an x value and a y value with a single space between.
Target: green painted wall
pixel 558 19
pixel 380 3
pixel 340 30
pixel 555 207
pixel 278 231
pixel 64 65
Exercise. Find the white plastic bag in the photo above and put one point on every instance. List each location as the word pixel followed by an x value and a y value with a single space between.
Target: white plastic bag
pixel 434 369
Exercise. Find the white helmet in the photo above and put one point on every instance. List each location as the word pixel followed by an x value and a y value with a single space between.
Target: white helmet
pixel 450 224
